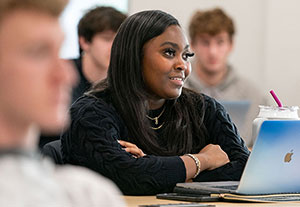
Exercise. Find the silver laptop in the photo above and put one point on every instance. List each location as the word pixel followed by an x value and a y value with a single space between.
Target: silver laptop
pixel 273 166
pixel 238 111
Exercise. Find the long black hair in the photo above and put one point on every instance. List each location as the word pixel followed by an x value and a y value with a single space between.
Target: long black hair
pixel 183 131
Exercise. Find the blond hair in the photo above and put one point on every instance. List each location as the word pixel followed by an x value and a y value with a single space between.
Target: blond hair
pixel 51 7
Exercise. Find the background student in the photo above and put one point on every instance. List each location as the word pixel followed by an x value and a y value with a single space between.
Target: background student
pixel 96 32
pixel 140 127
pixel 212 40
pixel 35 86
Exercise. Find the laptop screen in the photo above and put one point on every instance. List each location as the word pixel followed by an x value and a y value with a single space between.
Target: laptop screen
pixel 237 111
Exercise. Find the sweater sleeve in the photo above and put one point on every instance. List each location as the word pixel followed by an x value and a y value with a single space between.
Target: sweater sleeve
pixel 223 132
pixel 92 141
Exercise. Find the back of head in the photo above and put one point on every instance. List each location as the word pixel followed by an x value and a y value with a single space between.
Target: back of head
pixel 51 7
pixel 210 22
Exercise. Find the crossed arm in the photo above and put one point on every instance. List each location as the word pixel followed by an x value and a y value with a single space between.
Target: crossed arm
pixel 92 141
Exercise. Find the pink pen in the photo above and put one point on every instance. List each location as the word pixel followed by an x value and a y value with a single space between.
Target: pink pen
pixel 276 98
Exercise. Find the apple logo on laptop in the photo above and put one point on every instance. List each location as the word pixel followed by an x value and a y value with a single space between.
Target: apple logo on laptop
pixel 288 156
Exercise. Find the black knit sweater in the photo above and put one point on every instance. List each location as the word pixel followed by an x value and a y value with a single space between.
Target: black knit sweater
pixel 96 126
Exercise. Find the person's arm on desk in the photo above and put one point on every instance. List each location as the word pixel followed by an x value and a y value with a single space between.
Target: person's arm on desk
pixel 209 158
pixel 92 141
pixel 222 131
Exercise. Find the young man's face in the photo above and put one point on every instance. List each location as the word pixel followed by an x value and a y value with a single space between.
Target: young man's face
pixel 99 48
pixel 35 84
pixel 211 52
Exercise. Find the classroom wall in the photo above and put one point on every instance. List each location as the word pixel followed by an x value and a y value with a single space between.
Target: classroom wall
pixel 267 43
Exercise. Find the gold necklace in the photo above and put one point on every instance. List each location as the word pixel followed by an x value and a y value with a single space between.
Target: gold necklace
pixel 156 128
pixel 157 117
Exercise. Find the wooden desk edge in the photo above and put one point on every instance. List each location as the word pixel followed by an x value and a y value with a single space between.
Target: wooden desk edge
pixel 135 201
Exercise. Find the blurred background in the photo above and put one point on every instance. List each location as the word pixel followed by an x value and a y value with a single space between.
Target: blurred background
pixel 267 43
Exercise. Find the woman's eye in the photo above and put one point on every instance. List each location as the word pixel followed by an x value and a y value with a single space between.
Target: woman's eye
pixel 169 52
pixel 187 55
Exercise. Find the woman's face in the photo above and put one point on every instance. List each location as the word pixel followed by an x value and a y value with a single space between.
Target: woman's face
pixel 166 64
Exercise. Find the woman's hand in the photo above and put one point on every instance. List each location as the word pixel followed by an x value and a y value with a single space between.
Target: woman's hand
pixel 212 157
pixel 132 149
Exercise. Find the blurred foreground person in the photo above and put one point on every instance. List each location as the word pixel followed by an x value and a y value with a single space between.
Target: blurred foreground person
pixel 35 88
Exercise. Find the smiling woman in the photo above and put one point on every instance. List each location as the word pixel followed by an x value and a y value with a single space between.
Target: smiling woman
pixel 169 134
pixel 166 65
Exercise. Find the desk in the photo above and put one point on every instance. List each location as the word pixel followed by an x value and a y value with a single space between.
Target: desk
pixel 135 201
